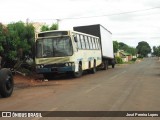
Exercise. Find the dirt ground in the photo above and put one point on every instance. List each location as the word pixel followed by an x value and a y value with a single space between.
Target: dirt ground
pixel 34 80
pixel 21 81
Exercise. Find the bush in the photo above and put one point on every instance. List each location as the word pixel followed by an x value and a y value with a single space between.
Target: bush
pixel 134 59
pixel 140 56
pixel 119 60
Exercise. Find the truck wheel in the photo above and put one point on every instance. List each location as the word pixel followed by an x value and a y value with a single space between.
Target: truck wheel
pixel 113 63
pixel 93 70
pixel 105 65
pixel 79 73
pixel 6 82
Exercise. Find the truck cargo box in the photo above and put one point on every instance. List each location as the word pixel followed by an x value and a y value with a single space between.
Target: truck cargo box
pixel 104 35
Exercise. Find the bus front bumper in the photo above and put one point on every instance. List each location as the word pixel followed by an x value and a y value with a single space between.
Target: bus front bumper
pixel 56 69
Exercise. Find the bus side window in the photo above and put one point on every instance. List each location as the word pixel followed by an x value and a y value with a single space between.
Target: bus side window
pixel 78 42
pixel 90 43
pixel 82 42
pixel 93 42
pixel 86 42
pixel 97 41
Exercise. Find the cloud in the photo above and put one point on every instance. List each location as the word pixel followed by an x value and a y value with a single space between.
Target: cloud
pixel 135 26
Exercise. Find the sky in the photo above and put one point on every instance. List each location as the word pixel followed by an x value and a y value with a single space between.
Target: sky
pixel 130 21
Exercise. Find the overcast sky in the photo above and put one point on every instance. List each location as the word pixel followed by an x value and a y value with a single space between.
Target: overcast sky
pixel 130 21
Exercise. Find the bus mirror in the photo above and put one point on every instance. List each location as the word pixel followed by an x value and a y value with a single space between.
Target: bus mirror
pixel 75 39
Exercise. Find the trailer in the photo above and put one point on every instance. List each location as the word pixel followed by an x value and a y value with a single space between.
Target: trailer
pixel 6 82
pixel 106 42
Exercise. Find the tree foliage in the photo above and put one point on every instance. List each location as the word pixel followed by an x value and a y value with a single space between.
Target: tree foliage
pixel 54 26
pixel 122 46
pixel 143 48
pixel 45 28
pixel 16 41
pixel 115 46
pixel 156 51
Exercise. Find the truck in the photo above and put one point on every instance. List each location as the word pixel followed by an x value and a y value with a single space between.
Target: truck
pixel 106 42
pixel 6 82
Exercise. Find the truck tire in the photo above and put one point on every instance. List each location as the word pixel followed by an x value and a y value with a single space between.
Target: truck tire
pixel 113 63
pixel 79 73
pixel 6 82
pixel 105 65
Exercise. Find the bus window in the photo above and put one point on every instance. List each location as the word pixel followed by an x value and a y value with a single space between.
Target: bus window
pixel 86 41
pixel 90 43
pixel 79 42
pixel 93 42
pixel 97 40
pixel 82 42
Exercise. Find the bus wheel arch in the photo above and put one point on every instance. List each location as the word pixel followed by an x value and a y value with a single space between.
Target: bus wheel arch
pixel 94 70
pixel 80 71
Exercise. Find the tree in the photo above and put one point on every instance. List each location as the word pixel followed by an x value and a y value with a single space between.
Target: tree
pixel 126 48
pixel 143 48
pixel 20 39
pixel 115 46
pixel 123 46
pixel 54 26
pixel 45 28
pixel 3 32
pixel 156 51
pixel 16 42
pixel 132 50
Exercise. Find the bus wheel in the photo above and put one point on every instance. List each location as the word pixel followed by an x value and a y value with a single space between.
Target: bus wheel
pixel 79 73
pixel 6 82
pixel 93 70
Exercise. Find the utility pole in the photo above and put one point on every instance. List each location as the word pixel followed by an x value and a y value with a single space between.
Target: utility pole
pixel 27 21
pixel 58 20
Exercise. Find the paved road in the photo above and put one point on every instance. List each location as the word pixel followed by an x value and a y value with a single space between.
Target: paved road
pixel 134 87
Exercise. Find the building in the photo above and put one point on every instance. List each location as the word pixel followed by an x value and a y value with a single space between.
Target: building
pixel 124 55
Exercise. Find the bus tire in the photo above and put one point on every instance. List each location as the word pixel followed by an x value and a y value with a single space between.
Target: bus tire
pixel 79 73
pixel 94 70
pixel 6 82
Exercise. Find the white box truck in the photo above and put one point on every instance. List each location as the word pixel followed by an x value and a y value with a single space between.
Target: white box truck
pixel 105 42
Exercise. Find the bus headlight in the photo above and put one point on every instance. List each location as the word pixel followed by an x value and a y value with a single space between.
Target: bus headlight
pixel 66 64
pixel 39 66
pixel 69 64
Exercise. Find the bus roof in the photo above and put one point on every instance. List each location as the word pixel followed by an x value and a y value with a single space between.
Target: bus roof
pixel 60 33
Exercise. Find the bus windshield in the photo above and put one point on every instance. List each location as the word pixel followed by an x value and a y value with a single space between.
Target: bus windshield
pixel 54 47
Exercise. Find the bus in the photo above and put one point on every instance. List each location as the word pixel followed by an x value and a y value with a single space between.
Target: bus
pixel 66 52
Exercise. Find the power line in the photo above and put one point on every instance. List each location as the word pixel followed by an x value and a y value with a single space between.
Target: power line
pixel 114 13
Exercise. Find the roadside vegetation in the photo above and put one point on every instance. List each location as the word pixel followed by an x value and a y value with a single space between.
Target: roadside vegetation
pixel 17 46
pixel 125 54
